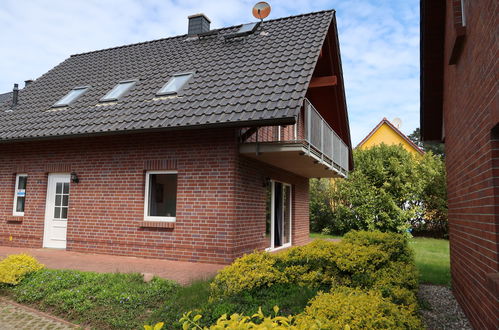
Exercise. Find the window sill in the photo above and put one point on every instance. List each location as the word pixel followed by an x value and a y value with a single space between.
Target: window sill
pixel 14 219
pixel 157 224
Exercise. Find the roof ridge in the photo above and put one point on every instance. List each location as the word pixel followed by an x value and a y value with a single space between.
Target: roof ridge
pixel 184 35
pixel 395 129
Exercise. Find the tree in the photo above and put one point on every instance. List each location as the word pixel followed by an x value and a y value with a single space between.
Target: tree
pixel 435 147
pixel 389 190
pixel 433 197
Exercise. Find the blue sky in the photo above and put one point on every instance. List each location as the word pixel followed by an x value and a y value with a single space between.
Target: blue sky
pixel 379 42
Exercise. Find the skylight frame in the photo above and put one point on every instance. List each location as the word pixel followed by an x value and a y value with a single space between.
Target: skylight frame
pixel 173 77
pixel 58 104
pixel 243 30
pixel 131 82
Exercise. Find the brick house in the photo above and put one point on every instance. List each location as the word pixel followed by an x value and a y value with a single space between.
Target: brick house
pixel 197 147
pixel 459 105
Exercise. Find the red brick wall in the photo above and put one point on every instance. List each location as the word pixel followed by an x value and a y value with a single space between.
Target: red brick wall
pixel 251 204
pixel 107 206
pixel 470 100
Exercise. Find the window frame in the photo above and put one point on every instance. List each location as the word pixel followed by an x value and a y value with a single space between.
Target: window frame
pixel 16 190
pixel 189 73
pixel 123 94
pixel 85 90
pixel 146 198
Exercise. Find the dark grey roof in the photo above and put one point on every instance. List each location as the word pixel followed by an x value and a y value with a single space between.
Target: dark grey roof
pixel 261 78
pixel 6 97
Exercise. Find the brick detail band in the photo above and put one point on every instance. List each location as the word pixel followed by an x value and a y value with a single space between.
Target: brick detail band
pixel 13 219
pixel 160 164
pixel 157 224
pixel 57 168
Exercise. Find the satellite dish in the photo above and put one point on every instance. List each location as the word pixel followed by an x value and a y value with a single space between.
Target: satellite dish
pixel 397 122
pixel 261 10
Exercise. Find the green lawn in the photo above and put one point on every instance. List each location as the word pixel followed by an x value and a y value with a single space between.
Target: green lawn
pixel 323 236
pixel 432 260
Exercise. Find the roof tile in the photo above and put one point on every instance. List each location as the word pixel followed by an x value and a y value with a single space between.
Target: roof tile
pixel 259 77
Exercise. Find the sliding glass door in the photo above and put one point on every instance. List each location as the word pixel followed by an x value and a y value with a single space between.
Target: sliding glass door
pixel 278 225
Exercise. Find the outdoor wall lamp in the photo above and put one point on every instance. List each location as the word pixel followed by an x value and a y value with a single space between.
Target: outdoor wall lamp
pixel 74 177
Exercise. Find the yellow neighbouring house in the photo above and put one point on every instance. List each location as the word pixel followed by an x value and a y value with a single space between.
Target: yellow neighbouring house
pixel 387 133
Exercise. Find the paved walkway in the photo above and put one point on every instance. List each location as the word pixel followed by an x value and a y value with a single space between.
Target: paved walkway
pixel 15 316
pixel 179 271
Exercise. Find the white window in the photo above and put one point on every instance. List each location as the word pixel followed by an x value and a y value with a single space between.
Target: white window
pixel 160 196
pixel 118 90
pixel 20 194
pixel 71 96
pixel 175 84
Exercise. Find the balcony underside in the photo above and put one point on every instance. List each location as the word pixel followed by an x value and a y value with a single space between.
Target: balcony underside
pixel 294 157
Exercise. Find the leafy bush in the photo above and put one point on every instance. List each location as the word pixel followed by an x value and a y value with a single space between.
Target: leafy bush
pixel 389 190
pixel 241 322
pixel 368 260
pixel 104 300
pixel 15 267
pixel 342 308
pixel 251 271
pixel 395 245
pixel 291 299
pixel 345 308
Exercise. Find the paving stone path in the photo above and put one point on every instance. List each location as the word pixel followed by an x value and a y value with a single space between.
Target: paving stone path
pixel 14 316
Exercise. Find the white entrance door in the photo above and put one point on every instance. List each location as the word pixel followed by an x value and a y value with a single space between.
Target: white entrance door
pixel 56 212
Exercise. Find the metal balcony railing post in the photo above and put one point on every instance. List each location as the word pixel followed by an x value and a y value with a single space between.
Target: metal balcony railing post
pixel 307 120
pixel 322 140
pixel 332 150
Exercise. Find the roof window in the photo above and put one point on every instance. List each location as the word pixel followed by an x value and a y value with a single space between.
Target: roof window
pixel 71 96
pixel 175 84
pixel 244 30
pixel 119 90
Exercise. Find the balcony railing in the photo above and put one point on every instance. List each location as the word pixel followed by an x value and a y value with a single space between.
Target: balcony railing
pixel 311 131
pixel 323 140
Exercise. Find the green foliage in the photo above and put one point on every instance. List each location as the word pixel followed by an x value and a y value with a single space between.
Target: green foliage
pixel 395 245
pixel 157 326
pixel 15 267
pixel 321 212
pixel 433 198
pixel 258 267
pixel 104 300
pixel 356 309
pixel 362 259
pixel 390 190
pixel 342 308
pixel 436 148
pixel 238 321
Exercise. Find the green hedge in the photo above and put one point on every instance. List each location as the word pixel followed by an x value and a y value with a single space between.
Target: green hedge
pixel 367 260
pixel 366 268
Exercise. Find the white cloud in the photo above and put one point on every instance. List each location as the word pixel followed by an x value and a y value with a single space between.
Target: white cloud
pixel 379 42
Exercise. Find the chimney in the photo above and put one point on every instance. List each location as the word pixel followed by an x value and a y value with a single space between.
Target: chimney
pixel 27 82
pixel 15 94
pixel 198 24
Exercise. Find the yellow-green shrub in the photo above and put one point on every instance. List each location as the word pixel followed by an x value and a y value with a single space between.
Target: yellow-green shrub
pixel 246 273
pixel 395 245
pixel 342 308
pixel 16 266
pixel 321 264
pixel 356 309
pixel 399 281
pixel 242 322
